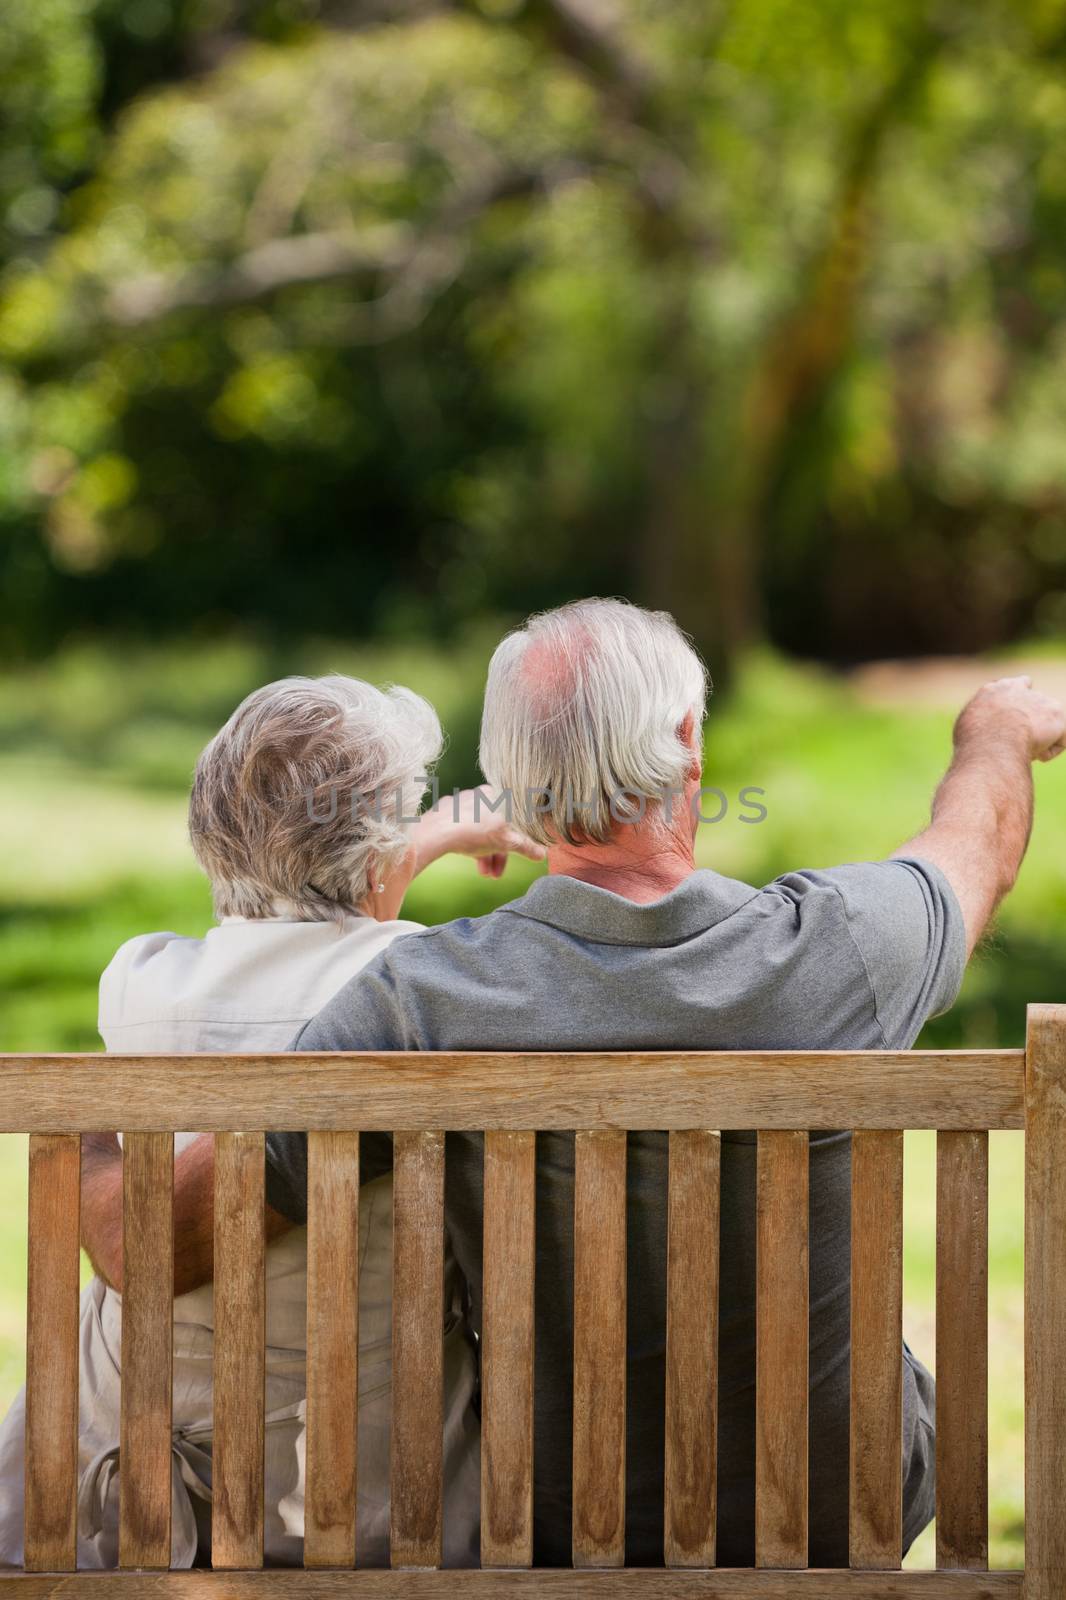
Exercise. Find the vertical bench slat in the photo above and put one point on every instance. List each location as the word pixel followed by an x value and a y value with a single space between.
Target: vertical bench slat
pixel 332 1348
pixel 692 1349
pixel 240 1333
pixel 599 1525
pixel 147 1348
pixel 508 1272
pixel 782 1300
pixel 417 1349
pixel 876 1496
pixel 52 1352
pixel 1045 1303
pixel 962 1350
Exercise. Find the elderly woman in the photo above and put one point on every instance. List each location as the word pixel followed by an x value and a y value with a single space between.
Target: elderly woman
pixel 300 816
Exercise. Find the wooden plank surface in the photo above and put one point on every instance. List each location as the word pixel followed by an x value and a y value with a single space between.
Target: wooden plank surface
pixel 508 1272
pixel 642 1584
pixel 147 1348
pixel 52 1352
pixel 376 1092
pixel 417 1349
pixel 1045 1304
pixel 240 1332
pixel 332 1348
pixel 599 1517
pixel 782 1298
pixel 962 1350
pixel 692 1348
pixel 876 1491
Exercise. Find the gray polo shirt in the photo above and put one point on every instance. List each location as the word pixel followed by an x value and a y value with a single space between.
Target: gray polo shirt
pixel 852 958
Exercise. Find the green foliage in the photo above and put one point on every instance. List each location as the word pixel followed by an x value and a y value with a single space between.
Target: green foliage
pixel 375 325
pixel 753 312
pixel 49 70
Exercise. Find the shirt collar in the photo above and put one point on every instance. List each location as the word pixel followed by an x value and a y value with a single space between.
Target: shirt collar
pixel 289 911
pixel 698 903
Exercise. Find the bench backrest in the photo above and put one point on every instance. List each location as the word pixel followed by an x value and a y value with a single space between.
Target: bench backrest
pixel 961 1094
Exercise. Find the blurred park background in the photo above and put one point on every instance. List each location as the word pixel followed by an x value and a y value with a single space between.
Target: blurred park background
pixel 337 334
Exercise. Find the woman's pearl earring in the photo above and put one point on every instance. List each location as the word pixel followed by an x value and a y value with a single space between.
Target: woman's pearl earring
pixel 380 888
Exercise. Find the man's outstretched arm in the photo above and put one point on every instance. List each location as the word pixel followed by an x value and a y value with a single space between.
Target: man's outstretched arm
pixel 983 808
pixel 194 1211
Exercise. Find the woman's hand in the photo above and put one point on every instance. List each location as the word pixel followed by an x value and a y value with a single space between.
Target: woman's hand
pixel 464 824
pixel 459 824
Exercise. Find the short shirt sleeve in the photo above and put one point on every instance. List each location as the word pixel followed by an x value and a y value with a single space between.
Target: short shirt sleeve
pixel 908 928
pixel 364 1015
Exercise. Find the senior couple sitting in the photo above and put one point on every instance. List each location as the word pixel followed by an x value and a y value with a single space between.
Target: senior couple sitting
pixel 593 728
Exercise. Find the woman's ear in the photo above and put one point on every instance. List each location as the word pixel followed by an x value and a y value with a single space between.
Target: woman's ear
pixel 373 905
pixel 387 887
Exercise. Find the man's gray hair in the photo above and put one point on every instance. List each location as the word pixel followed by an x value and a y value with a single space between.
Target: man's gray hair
pixel 303 791
pixel 583 709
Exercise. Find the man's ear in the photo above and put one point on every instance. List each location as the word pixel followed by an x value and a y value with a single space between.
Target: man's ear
pixel 690 735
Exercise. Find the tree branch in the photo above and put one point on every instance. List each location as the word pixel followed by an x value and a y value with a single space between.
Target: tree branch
pixel 278 264
pixel 636 104
pixel 590 43
pixel 406 258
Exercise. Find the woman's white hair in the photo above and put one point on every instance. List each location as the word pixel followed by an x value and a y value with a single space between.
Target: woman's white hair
pixel 583 711
pixel 303 793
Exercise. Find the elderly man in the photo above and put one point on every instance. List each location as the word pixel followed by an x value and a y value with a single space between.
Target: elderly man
pixel 593 718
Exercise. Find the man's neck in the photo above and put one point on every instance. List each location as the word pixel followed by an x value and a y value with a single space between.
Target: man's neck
pixel 641 863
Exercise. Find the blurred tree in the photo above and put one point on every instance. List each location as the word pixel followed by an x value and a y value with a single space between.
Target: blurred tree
pixel 363 318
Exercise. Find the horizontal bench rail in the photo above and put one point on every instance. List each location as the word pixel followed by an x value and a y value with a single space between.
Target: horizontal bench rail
pixel 642 1583
pixel 660 1091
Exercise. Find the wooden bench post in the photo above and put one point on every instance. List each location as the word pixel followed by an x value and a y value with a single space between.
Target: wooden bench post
pixel 507 1329
pixel 240 1352
pixel 876 1480
pixel 599 1524
pixel 417 1466
pixel 147 1349
pixel 332 1349
pixel 962 1350
pixel 1045 1303
pixel 52 1353
pixel 690 1475
pixel 781 1358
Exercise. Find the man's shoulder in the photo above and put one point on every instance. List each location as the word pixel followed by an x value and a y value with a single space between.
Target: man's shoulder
pixel 442 940
pixel 901 918
pixel 876 881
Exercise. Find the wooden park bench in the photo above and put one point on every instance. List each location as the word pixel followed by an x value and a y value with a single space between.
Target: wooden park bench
pixel 962 1094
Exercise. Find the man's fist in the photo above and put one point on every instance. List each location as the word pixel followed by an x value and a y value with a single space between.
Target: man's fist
pixel 1010 710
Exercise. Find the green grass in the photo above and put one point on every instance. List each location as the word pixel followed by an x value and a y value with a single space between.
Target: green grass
pixel 97 751
pixel 1005 1376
